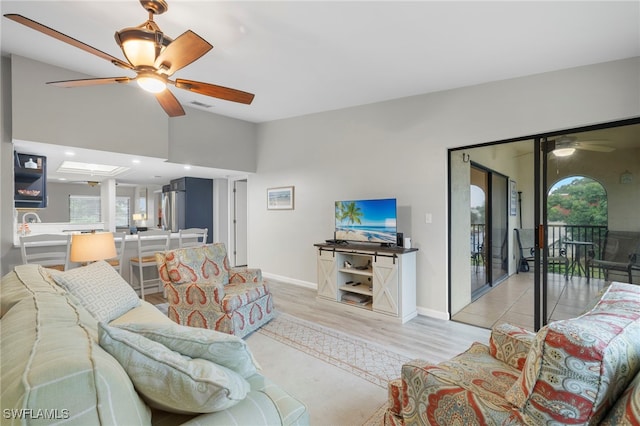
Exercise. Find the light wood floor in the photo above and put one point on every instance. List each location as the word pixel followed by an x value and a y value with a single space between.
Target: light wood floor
pixel 423 337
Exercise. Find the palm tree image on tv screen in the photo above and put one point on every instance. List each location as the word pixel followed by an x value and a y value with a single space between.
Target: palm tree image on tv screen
pixel 366 221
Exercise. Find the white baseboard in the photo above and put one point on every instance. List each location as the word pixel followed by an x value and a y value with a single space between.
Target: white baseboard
pixel 289 280
pixel 433 314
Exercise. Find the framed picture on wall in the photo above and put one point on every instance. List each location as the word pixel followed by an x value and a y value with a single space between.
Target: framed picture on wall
pixel 513 198
pixel 280 198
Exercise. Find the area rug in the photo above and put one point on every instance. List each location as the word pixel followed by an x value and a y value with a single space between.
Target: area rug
pixel 366 360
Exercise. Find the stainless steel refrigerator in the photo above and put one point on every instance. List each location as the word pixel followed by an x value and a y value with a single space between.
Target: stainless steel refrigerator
pixel 188 203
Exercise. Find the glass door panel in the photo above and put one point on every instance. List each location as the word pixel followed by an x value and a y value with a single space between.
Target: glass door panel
pixel 499 228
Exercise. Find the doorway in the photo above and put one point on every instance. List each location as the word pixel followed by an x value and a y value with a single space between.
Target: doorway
pixel 239 222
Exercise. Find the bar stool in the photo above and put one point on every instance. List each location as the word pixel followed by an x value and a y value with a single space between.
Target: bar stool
pixel 149 243
pixel 191 237
pixel 116 262
pixel 48 250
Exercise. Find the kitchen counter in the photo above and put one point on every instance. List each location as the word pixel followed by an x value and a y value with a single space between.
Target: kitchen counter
pixel 130 249
pixel 64 228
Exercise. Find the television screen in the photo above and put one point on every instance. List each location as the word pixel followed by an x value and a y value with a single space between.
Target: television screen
pixel 366 220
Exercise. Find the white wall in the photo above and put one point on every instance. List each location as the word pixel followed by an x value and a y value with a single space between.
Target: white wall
pixel 399 149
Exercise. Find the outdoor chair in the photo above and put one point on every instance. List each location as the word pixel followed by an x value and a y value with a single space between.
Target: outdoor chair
pixel 620 252
pixel 477 255
pixel 526 247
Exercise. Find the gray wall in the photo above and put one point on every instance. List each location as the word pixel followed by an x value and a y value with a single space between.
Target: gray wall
pixel 399 149
pixel 58 199
pixel 122 118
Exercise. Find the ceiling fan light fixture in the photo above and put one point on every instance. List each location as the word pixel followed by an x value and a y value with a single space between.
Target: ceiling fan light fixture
pixel 151 83
pixel 563 152
pixel 141 45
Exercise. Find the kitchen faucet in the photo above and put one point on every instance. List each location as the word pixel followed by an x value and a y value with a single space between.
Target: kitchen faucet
pixel 24 217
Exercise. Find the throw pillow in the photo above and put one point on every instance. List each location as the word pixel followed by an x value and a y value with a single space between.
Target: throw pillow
pixel 100 289
pixel 169 380
pixel 224 349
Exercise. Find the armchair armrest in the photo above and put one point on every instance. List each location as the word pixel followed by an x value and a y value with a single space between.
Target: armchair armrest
pixel 244 275
pixel 510 344
pixel 198 293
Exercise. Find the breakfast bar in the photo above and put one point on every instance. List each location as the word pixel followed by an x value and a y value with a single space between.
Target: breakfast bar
pixel 64 229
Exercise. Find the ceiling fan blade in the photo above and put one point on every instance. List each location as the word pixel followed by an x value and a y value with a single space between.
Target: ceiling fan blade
pixel 65 38
pixel 596 148
pixel 170 103
pixel 215 91
pixel 89 82
pixel 181 52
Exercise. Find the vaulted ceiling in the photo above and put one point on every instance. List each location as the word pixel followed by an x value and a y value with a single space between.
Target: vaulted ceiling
pixel 302 57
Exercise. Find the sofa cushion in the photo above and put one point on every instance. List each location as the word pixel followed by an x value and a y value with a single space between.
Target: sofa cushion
pixel 626 410
pixel 577 367
pixel 223 349
pixel 208 263
pixel 24 282
pixel 469 388
pixel 51 362
pixel 510 344
pixel 169 380
pixel 100 289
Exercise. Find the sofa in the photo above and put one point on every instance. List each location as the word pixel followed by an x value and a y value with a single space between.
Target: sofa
pixel 204 291
pixel 580 371
pixel 80 348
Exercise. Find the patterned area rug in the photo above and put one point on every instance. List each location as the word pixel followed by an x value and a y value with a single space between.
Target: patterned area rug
pixel 366 360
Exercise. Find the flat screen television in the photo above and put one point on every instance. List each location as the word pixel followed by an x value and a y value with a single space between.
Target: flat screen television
pixel 371 221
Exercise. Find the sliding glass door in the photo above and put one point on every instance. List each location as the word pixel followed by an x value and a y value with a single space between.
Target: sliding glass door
pixel 565 204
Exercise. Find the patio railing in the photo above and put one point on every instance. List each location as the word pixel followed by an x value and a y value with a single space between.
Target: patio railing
pixel 557 235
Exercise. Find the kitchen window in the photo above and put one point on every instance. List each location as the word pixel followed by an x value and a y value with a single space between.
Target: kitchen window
pixel 86 209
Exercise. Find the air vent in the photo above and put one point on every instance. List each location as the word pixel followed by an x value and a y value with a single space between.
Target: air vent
pixel 200 104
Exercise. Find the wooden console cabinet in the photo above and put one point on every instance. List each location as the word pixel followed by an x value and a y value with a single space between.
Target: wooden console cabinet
pixel 381 280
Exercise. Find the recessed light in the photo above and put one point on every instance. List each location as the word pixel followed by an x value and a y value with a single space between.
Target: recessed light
pixel 62 178
pixel 135 161
pixel 69 153
pixel 187 167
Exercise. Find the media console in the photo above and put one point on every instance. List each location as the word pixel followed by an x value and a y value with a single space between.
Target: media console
pixel 380 280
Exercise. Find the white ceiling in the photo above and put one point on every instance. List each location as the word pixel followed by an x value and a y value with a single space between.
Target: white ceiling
pixel 302 57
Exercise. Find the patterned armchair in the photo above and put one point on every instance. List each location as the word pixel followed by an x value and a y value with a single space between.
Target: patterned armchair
pixel 203 291
pixel 581 371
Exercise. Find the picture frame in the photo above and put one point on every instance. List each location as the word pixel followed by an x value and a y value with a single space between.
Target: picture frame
pixel 280 198
pixel 513 198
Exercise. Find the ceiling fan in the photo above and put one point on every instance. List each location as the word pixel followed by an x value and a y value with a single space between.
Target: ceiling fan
pixel 152 55
pixel 567 145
